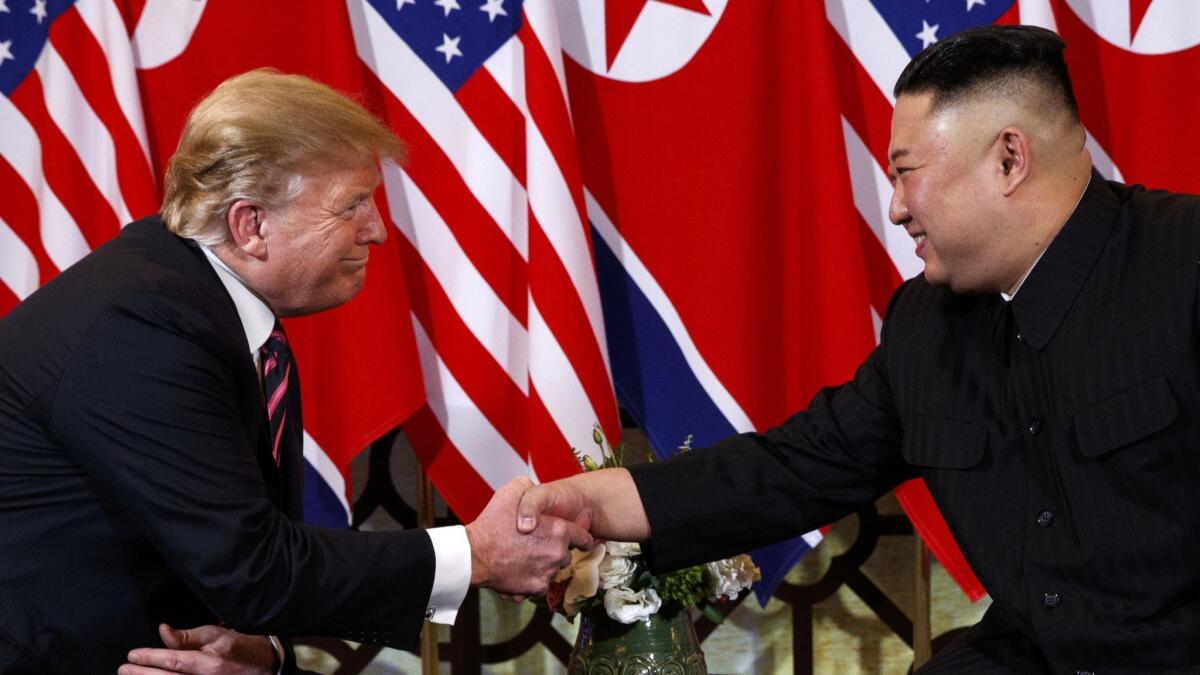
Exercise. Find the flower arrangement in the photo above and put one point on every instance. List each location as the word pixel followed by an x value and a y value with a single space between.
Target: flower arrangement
pixel 613 574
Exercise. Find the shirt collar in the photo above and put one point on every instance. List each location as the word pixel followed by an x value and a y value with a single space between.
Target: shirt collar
pixel 257 318
pixel 1052 285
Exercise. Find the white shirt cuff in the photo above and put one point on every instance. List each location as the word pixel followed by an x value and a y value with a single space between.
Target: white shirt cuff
pixel 451 572
pixel 278 647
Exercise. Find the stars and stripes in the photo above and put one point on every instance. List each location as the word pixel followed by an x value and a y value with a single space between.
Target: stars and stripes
pixel 74 160
pixel 493 238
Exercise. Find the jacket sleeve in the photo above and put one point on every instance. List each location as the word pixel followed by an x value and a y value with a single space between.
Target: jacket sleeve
pixel 148 407
pixel 755 489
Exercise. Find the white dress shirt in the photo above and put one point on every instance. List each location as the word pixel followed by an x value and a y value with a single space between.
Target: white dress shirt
pixel 452 550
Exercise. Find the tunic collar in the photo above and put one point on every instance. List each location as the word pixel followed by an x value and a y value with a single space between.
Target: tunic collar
pixel 1054 283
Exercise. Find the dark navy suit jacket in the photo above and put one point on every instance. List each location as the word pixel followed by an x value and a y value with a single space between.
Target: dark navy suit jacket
pixel 136 484
pixel 1059 434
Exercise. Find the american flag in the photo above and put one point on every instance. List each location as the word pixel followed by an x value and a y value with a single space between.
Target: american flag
pixel 74 156
pixel 494 240
pixel 727 156
pixel 480 325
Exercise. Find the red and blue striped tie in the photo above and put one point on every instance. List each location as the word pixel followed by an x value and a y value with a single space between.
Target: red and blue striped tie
pixel 276 361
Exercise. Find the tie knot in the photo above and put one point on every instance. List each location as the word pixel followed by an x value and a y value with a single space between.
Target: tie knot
pixel 277 342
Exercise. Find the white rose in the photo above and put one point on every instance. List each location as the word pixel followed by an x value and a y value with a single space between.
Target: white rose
pixel 731 576
pixel 616 571
pixel 584 575
pixel 626 606
pixel 624 549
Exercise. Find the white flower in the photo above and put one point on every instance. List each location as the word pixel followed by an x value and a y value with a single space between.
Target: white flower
pixel 731 576
pixel 584 575
pixel 626 606
pixel 623 549
pixel 616 571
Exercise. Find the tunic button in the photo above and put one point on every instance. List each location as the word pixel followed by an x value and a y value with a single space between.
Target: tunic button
pixel 1020 338
pixel 1050 600
pixel 1045 518
pixel 1034 426
pixel 1084 672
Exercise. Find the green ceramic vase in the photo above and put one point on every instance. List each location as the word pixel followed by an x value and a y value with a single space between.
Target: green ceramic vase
pixel 655 646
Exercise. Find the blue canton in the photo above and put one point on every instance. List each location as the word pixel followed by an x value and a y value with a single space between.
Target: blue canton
pixel 22 37
pixel 909 18
pixel 426 27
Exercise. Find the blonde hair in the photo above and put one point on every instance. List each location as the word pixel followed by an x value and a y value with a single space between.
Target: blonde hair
pixel 253 137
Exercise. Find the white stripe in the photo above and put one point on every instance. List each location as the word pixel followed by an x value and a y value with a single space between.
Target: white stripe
pixel 104 20
pixel 18 268
pixel 1037 13
pixel 436 110
pixel 543 21
pixel 82 127
pixel 471 295
pixel 874 44
pixel 813 538
pixel 468 430
pixel 558 386
pixel 550 197
pixel 61 238
pixel 1102 161
pixel 872 193
pixel 507 68
pixel 552 206
pixel 641 276
pixel 316 457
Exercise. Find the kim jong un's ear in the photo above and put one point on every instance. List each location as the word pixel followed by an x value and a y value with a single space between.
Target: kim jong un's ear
pixel 1012 156
pixel 245 221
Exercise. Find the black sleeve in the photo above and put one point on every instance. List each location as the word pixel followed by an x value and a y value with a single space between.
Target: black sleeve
pixel 150 413
pixel 755 489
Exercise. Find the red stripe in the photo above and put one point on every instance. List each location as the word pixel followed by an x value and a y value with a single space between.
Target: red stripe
pixel 8 299
pixel 277 395
pixel 549 453
pixel 497 118
pixel 88 63
pixel 19 209
pixel 487 384
pixel 551 288
pixel 863 105
pixel 485 245
pixel 548 110
pixel 63 169
pixel 882 277
pixel 278 437
pixel 131 12
pixel 465 492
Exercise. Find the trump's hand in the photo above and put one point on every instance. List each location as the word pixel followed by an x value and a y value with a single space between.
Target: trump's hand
pixel 605 502
pixel 203 650
pixel 516 563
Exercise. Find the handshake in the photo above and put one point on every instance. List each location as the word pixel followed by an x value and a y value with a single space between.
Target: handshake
pixel 524 535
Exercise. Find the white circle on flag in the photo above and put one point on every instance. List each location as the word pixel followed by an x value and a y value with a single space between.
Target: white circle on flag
pixel 664 38
pixel 1168 25
pixel 164 31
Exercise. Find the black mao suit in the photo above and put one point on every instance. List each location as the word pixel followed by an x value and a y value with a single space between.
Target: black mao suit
pixel 137 486
pixel 1059 435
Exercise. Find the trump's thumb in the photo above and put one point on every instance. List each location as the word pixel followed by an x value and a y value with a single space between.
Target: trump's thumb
pixel 531 507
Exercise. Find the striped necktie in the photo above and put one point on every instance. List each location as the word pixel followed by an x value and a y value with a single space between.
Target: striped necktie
pixel 276 360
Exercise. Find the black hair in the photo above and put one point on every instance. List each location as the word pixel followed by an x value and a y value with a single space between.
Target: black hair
pixel 971 60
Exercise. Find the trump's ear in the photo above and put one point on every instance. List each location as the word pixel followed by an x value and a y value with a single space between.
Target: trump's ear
pixel 245 221
pixel 1012 157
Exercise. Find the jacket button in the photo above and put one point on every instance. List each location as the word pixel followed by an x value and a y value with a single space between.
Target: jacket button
pixel 1045 518
pixel 1034 427
pixel 1050 600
